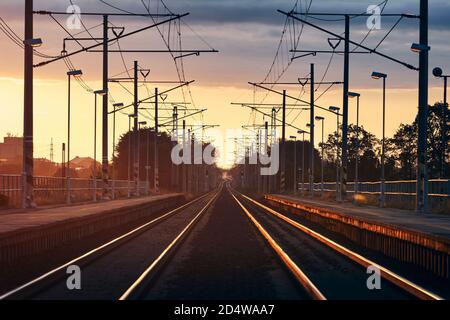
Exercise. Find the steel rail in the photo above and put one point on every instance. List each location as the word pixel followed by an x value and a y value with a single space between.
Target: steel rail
pixel 389 275
pixel 132 290
pixel 306 283
pixel 98 249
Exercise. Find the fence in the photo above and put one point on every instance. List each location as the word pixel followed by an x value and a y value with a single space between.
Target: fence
pixel 53 190
pixel 398 193
pixel 436 188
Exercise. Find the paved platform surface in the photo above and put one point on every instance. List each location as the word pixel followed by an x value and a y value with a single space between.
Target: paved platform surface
pixel 431 224
pixel 14 220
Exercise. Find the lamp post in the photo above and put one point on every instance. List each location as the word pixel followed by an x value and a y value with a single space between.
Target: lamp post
pixel 71 73
pixel 130 139
pixel 357 96
pixel 311 161
pixel 116 105
pixel 336 111
pixel 437 72
pixel 141 123
pixel 378 75
pixel 94 168
pixel 322 119
pixel 295 163
pixel 147 166
pixel 310 168
pixel 302 132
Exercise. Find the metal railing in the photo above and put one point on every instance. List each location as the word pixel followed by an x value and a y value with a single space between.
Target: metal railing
pixel 436 188
pixel 53 190
pixel 398 194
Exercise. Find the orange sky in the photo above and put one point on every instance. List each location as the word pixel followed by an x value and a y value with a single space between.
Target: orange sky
pixel 246 51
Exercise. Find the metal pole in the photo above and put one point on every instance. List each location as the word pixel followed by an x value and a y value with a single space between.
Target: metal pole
pixel 266 150
pixel 177 168
pixel 68 199
pixel 113 174
pixel 147 166
pixel 130 139
pixel 27 180
pixel 383 185
pixel 94 173
pixel 422 179
pixel 156 177
pixel 303 164
pixel 105 164
pixel 135 129
pixel 174 135
pixel 344 159
pixel 63 165
pixel 244 180
pixel 295 166
pixel 355 187
pixel 312 127
pixel 183 168
pixel 189 169
pixel 283 145
pixel 139 158
pixel 257 171
pixel 273 140
pixel 338 192
pixel 322 165
pixel 444 131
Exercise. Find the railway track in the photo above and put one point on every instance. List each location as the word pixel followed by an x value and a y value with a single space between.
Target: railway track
pixel 139 287
pixel 324 268
pixel 110 271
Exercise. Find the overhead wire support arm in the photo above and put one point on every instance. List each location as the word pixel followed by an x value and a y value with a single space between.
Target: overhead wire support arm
pixel 353 15
pixel 109 40
pixel 297 83
pixel 180 105
pixel 187 55
pixel 167 109
pixel 183 117
pixel 244 104
pixel 205 127
pixel 276 119
pixel 409 66
pixel 186 52
pixel 127 80
pixel 288 96
pixel 315 52
pixel 152 97
pixel 45 12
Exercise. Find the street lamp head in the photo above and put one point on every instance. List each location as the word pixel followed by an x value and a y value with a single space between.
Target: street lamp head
pixel 101 92
pixel 308 125
pixel 418 48
pixel 118 105
pixel 75 73
pixel 319 118
pixel 293 137
pixel 132 115
pixel 301 131
pixel 378 75
pixel 354 95
pixel 34 43
pixel 143 123
pixel 333 108
pixel 437 72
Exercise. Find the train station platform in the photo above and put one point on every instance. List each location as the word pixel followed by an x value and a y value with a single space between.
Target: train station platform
pixel 402 234
pixel 25 232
